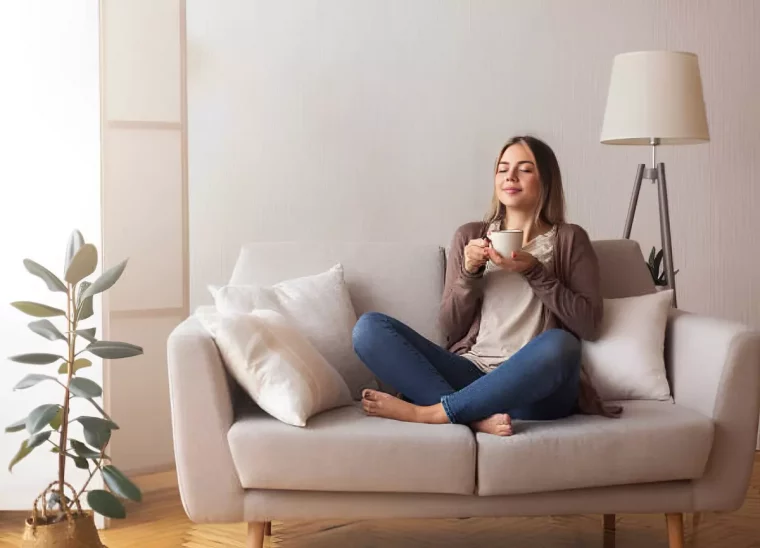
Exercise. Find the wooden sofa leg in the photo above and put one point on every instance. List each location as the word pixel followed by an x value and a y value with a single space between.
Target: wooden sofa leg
pixel 609 531
pixel 609 523
pixel 675 530
pixel 268 529
pixel 256 531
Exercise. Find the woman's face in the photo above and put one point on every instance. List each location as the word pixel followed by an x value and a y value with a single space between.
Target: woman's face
pixel 517 183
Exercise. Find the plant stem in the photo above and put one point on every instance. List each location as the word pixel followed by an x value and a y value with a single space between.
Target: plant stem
pixel 92 473
pixel 71 339
pixel 71 456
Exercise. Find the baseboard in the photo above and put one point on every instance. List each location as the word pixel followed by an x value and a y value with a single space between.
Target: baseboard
pixel 156 480
pixel 149 470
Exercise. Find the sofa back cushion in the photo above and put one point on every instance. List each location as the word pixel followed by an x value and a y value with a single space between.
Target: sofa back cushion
pixel 623 270
pixel 405 280
pixel 399 279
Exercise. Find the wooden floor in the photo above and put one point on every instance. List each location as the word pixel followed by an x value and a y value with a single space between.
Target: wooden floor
pixel 160 522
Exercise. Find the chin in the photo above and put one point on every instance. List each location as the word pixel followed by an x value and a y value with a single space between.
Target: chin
pixel 512 201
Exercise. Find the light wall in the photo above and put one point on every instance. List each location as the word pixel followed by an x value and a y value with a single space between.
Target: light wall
pixel 380 119
pixel 49 186
pixel 145 205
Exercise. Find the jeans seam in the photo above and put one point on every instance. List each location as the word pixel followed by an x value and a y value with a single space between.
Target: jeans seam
pixel 447 408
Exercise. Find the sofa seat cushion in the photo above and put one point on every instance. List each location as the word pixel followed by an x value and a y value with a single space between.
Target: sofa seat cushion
pixel 652 441
pixel 345 450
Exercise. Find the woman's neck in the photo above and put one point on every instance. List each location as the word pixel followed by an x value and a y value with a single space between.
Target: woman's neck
pixel 525 221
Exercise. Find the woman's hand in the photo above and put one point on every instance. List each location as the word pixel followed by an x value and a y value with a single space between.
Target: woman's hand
pixel 520 261
pixel 475 254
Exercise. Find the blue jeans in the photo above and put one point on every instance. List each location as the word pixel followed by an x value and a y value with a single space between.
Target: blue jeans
pixel 539 382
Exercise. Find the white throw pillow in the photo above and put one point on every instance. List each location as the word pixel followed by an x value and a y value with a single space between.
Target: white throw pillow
pixel 627 362
pixel 283 373
pixel 319 307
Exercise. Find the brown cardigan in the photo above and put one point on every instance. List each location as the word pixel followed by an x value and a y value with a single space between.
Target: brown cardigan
pixel 569 292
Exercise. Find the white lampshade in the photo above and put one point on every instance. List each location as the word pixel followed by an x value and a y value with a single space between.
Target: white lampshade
pixel 655 94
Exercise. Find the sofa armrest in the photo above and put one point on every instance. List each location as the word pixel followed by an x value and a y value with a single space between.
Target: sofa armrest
pixel 715 369
pixel 202 414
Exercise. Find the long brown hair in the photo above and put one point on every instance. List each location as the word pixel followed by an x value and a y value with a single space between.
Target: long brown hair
pixel 551 202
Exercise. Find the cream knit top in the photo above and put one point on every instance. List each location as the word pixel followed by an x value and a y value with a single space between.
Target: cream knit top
pixel 511 313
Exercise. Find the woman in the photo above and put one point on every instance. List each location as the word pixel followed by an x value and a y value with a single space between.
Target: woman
pixel 512 324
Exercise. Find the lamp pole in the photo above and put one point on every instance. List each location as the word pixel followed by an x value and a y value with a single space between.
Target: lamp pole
pixel 656 174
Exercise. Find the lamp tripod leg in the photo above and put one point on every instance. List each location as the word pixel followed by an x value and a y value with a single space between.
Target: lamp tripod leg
pixel 634 202
pixel 667 247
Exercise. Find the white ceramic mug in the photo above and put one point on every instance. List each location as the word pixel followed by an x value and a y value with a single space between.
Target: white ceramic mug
pixel 505 242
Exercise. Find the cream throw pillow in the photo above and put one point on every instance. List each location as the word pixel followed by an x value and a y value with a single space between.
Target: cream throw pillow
pixel 627 362
pixel 283 373
pixel 319 307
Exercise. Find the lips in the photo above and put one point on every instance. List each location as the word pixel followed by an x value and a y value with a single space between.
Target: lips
pixel 512 190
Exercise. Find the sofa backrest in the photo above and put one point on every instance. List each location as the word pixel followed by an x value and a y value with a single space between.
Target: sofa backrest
pixel 406 280
pixel 399 279
pixel 622 268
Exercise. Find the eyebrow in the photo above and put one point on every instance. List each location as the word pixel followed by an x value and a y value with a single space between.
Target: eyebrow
pixel 518 163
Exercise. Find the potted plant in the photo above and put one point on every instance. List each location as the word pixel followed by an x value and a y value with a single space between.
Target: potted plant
pixel 657 269
pixel 57 516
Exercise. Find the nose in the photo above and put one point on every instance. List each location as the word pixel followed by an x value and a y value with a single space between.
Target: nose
pixel 511 175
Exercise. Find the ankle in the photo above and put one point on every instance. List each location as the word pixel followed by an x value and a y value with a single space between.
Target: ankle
pixel 432 414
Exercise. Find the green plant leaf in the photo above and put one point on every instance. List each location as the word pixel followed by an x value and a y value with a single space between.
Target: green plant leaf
pixel 85 388
pixel 36 359
pixel 79 363
pixel 97 431
pixel 75 242
pixel 106 504
pixel 96 423
pixel 112 350
pixel 37 310
pixel 105 281
pixel 38 439
pixel 22 452
pixel 17 426
pixel 84 263
pixel 81 463
pixel 120 484
pixel 88 334
pixel 651 257
pixel 83 451
pixel 50 279
pixel 55 424
pixel 97 438
pixel 45 328
pixel 657 263
pixel 85 305
pixel 41 416
pixel 32 380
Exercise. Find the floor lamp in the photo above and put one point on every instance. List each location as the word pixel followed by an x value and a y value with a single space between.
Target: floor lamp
pixel 655 98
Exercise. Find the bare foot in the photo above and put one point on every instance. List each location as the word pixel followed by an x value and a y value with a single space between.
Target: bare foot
pixel 499 424
pixel 380 404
